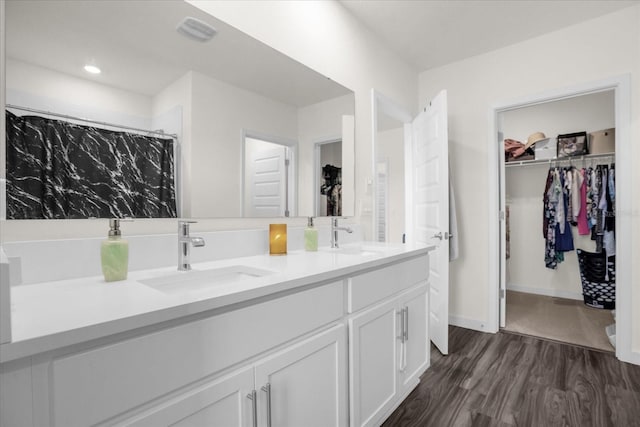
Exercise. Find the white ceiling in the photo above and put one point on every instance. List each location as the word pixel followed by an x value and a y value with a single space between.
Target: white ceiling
pixel 136 46
pixel 430 33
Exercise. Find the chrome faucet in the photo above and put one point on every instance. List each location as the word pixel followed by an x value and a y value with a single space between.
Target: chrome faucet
pixel 184 245
pixel 334 232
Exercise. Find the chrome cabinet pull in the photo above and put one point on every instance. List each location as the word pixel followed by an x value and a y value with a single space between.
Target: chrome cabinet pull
pixel 254 406
pixel 406 326
pixel 267 389
pixel 401 321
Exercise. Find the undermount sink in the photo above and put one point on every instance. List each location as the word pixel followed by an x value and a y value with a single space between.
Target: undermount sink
pixel 358 250
pixel 198 280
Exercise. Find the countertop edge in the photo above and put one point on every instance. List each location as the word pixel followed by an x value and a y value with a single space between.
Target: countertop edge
pixel 183 313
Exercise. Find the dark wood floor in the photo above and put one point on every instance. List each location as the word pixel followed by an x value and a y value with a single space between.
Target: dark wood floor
pixel 506 379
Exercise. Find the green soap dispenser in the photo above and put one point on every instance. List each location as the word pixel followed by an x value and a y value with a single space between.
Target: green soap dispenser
pixel 114 254
pixel 310 236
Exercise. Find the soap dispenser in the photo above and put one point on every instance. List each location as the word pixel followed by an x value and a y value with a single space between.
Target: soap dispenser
pixel 114 254
pixel 310 236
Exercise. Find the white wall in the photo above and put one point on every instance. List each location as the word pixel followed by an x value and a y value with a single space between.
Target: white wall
pixel 220 113
pixel 331 154
pixel 178 96
pixel 524 186
pixel 598 49
pixel 324 36
pixel 41 88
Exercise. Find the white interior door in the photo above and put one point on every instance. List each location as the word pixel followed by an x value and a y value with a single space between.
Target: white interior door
pixel 266 179
pixel 428 207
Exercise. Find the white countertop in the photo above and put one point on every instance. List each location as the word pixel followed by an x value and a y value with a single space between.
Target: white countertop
pixel 51 315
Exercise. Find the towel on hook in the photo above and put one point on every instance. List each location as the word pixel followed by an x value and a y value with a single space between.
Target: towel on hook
pixel 454 250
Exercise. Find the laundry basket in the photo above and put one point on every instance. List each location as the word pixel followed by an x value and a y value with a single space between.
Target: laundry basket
pixel 598 277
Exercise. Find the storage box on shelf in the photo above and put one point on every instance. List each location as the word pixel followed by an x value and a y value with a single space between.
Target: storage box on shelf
pixel 547 149
pixel 602 141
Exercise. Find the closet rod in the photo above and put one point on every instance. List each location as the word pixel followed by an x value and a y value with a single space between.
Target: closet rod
pixel 64 116
pixel 569 159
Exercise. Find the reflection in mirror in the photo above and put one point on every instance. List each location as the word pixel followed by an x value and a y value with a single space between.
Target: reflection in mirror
pixel 329 172
pixel 209 94
pixel 389 176
pixel 268 182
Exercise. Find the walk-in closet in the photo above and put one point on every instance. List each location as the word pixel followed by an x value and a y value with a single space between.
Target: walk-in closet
pixel 559 182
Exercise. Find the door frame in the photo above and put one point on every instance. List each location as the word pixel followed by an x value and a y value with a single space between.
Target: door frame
pixel 621 85
pixel 292 145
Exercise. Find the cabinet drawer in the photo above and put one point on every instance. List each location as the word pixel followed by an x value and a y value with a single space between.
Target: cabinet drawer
pixel 91 387
pixel 368 288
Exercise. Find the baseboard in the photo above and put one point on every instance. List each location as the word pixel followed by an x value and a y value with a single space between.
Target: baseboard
pixel 547 292
pixel 633 357
pixel 467 323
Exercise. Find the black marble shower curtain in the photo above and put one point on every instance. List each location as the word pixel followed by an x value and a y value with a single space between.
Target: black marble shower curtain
pixel 61 170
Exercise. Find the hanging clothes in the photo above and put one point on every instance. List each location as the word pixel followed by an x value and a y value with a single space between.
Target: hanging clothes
pixel 454 248
pixel 551 198
pixel 557 200
pixel 584 198
pixel 332 188
pixel 564 236
pixel 609 242
pixel 583 223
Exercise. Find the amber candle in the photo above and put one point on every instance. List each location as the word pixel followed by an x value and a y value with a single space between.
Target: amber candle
pixel 277 239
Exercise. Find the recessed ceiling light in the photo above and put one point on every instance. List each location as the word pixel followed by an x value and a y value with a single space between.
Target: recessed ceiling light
pixel 196 29
pixel 92 69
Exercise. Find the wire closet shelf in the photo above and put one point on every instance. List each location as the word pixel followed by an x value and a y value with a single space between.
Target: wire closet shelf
pixel 563 161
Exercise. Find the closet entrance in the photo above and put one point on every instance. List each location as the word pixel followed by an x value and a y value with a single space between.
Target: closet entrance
pixel 539 273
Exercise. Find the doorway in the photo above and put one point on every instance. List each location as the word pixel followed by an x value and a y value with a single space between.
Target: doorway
pixel 328 178
pixel 619 88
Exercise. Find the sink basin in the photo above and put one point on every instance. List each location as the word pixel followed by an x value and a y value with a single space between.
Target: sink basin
pixel 358 250
pixel 199 280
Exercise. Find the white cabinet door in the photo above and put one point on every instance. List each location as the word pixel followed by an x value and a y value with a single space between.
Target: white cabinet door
pixel 416 344
pixel 373 361
pixel 222 402
pixel 389 350
pixel 305 384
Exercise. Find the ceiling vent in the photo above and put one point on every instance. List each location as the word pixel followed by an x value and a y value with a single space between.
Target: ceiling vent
pixel 196 29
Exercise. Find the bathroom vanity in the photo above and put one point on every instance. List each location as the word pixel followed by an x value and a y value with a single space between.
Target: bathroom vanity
pixel 336 337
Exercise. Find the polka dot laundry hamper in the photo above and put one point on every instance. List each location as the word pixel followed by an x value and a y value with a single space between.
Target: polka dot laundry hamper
pixel 598 276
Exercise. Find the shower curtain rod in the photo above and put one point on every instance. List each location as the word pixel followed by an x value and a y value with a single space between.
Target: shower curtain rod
pixel 33 110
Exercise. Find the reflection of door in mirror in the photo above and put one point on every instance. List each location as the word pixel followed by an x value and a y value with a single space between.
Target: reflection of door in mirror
pixel 328 172
pixel 268 182
pixel 389 170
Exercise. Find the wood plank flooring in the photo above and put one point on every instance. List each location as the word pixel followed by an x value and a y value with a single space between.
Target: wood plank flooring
pixel 506 379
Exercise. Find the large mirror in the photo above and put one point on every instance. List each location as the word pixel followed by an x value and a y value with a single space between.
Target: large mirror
pixel 256 133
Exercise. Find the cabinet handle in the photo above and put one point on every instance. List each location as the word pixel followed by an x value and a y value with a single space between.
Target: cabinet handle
pixel 267 389
pixel 254 406
pixel 401 321
pixel 406 324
